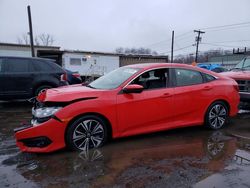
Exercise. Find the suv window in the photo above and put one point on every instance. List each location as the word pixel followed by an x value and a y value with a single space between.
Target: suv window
pixel 185 77
pixel 17 65
pixel 1 65
pixel 153 79
pixel 42 66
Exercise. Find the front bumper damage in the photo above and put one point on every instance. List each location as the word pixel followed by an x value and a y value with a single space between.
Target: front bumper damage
pixel 45 137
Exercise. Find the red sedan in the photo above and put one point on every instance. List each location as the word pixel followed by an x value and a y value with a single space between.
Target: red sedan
pixel 131 100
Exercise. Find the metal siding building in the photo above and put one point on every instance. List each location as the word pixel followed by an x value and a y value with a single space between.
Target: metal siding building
pixel 230 60
pixel 135 59
pixel 90 63
pixel 20 50
pixel 87 63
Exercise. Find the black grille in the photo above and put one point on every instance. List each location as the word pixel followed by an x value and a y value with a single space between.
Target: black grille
pixel 37 142
pixel 244 85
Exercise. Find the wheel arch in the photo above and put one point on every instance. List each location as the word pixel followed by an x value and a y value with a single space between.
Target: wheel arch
pixel 43 83
pixel 223 101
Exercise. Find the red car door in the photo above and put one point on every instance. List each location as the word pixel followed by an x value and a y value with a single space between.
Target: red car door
pixel 150 110
pixel 191 97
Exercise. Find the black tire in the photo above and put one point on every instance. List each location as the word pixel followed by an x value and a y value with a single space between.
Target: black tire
pixel 217 115
pixel 41 89
pixel 85 133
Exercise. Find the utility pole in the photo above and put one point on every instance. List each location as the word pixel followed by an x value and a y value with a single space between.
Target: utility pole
pixel 31 32
pixel 172 48
pixel 198 39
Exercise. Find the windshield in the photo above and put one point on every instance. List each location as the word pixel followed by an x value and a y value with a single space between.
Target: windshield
pixel 244 64
pixel 113 79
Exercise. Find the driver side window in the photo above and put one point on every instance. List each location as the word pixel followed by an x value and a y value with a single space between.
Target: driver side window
pixel 153 79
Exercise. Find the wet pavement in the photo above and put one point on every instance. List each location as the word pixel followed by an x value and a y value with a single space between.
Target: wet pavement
pixel 189 157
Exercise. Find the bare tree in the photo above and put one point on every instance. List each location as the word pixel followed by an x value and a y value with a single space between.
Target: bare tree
pixel 36 40
pixel 46 39
pixel 136 51
pixel 42 39
pixel 203 56
pixel 23 39
pixel 119 50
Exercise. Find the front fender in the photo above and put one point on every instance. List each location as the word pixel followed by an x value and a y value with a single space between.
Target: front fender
pixel 104 107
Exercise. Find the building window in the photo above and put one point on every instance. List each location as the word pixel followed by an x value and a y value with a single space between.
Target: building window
pixel 75 61
pixel 84 59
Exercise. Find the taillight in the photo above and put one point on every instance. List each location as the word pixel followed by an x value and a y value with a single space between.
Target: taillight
pixel 41 97
pixel 76 75
pixel 64 77
pixel 236 87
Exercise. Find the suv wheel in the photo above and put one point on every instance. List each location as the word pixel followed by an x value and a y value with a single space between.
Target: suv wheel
pixel 42 89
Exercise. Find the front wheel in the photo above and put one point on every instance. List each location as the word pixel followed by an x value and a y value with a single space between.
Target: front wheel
pixel 216 116
pixel 86 132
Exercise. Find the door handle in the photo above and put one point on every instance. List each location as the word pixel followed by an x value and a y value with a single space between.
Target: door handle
pixel 207 88
pixel 165 95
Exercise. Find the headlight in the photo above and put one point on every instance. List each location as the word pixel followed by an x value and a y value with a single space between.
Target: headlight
pixel 45 111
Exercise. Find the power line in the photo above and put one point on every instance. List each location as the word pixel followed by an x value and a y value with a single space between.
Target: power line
pixel 211 44
pixel 168 40
pixel 222 29
pixel 232 41
pixel 178 49
pixel 229 25
pixel 213 28
pixel 184 34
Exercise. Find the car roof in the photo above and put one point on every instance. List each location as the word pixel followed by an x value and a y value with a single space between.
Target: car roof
pixel 173 65
pixel 157 65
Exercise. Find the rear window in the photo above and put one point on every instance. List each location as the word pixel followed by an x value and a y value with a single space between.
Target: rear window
pixel 208 78
pixel 185 77
pixel 43 66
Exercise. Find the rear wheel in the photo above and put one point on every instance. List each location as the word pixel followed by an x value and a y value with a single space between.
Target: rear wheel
pixel 42 89
pixel 86 132
pixel 216 116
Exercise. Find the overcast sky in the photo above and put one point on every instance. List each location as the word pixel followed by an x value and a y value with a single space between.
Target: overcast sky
pixel 103 25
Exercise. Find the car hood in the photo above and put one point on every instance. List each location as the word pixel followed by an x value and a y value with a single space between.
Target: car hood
pixel 69 93
pixel 237 75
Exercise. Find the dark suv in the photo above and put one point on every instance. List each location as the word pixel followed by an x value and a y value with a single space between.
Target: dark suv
pixel 22 78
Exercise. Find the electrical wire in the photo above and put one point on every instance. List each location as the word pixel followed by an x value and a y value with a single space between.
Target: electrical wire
pixel 178 49
pixel 170 39
pixel 211 44
pixel 232 41
pixel 223 29
pixel 222 26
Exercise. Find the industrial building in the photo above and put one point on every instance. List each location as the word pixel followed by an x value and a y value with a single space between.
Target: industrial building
pixel 229 60
pixel 87 63
pixel 22 50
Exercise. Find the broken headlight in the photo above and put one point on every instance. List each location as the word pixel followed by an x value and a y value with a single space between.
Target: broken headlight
pixel 44 112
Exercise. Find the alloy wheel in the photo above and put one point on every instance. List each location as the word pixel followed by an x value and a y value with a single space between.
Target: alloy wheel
pixel 217 116
pixel 88 134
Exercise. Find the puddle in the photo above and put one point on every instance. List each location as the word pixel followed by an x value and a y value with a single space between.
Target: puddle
pixel 177 158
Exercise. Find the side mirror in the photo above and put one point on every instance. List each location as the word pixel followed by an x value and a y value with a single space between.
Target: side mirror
pixel 133 88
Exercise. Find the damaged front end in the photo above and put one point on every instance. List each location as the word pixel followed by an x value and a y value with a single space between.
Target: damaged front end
pixel 45 132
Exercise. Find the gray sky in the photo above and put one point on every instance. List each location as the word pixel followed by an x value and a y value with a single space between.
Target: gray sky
pixel 103 25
